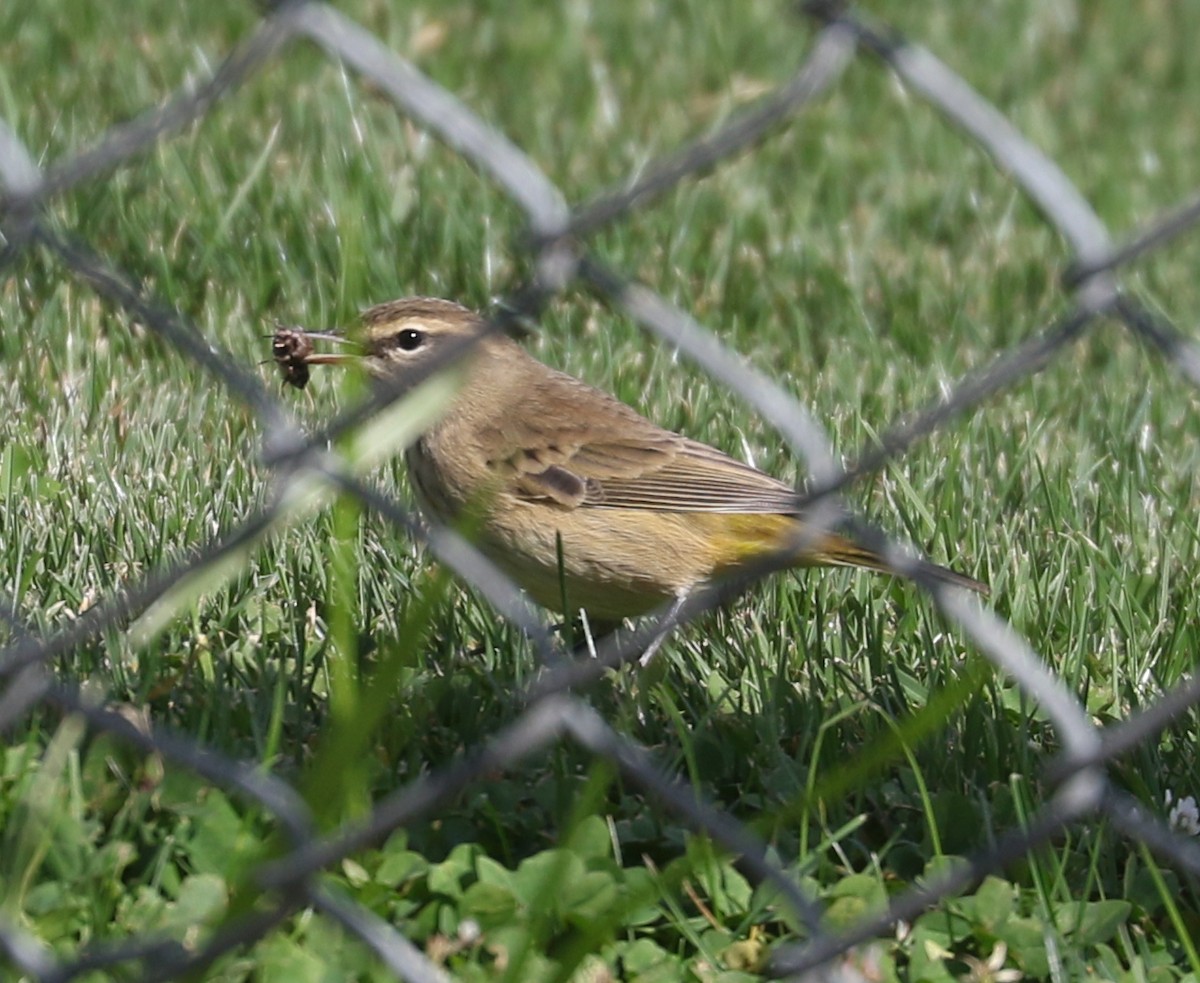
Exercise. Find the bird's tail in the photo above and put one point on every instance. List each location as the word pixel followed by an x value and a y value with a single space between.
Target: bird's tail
pixel 744 537
pixel 835 550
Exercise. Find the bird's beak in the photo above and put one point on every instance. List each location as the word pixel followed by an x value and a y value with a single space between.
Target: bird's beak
pixel 331 358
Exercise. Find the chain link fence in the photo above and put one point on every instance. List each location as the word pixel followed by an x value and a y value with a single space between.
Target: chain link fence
pixel 552 711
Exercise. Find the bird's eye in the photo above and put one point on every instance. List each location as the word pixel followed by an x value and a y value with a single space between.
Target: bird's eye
pixel 410 339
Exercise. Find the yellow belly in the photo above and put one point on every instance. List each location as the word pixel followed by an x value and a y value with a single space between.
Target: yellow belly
pixel 621 563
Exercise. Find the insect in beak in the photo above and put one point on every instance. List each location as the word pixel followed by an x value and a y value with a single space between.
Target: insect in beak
pixel 292 350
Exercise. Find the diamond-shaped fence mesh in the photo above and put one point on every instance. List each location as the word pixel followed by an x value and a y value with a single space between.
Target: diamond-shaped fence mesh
pixel 554 709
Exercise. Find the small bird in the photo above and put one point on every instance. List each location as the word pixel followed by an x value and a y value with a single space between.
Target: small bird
pixel 581 500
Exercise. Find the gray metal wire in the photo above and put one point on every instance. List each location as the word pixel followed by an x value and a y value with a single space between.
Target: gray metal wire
pixel 550 711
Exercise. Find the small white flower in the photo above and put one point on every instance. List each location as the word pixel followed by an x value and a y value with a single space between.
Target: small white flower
pixel 992 969
pixel 1184 816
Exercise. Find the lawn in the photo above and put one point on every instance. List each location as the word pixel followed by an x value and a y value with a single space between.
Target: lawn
pixel 865 257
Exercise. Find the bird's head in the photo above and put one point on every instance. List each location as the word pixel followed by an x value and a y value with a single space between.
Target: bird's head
pixel 401 341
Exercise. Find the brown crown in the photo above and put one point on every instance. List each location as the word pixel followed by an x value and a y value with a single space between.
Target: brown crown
pixel 417 307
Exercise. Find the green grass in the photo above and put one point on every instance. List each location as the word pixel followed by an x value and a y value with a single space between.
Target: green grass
pixel 865 257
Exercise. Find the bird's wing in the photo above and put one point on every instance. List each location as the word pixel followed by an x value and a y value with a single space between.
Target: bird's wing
pixel 621 460
pixel 693 478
